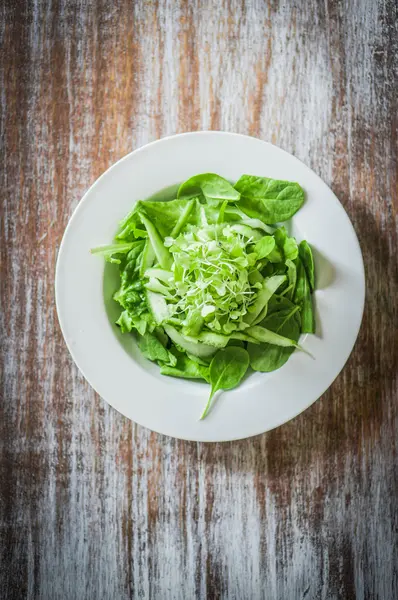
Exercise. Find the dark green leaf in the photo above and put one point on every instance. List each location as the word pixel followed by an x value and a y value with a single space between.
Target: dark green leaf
pixel 308 262
pixel 152 348
pixel 270 200
pixel 227 369
pixel 302 297
pixel 186 368
pixel 269 357
pixel 270 337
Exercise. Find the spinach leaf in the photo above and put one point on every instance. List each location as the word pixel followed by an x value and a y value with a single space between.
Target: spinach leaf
pixel 186 368
pixel 237 343
pixel 264 246
pixel 153 349
pixel 308 262
pixel 275 256
pixel 270 200
pixel 278 303
pixel 227 369
pixel 268 357
pixel 290 248
pixel 213 187
pixel 302 297
pixel 287 245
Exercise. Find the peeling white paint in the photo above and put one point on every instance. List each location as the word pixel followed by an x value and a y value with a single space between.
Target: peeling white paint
pixel 98 507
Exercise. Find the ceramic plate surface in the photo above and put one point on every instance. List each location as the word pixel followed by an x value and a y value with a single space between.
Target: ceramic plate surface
pixel 111 362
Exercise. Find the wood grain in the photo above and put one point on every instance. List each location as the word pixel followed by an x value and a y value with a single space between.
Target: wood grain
pixel 93 506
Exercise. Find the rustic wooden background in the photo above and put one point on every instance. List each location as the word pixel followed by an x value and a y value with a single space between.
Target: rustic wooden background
pixel 93 506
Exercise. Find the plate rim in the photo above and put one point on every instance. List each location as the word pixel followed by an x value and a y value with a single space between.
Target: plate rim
pixel 80 206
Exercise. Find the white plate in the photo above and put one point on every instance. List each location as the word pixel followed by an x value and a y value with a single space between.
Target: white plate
pixel 111 362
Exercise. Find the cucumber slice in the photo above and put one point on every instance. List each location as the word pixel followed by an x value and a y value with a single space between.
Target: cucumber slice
pixel 154 285
pixel 158 307
pixel 195 348
pixel 214 339
pixel 161 274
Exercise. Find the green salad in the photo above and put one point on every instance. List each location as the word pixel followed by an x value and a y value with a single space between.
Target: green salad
pixel 211 283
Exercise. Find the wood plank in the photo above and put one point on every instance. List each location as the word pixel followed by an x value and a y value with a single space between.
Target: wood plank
pixel 94 506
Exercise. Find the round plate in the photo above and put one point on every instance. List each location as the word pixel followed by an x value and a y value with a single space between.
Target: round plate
pixel 111 362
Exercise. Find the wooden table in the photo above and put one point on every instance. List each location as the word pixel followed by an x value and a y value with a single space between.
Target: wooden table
pixel 93 506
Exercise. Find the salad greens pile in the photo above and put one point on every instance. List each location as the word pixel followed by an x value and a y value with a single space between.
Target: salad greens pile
pixel 210 283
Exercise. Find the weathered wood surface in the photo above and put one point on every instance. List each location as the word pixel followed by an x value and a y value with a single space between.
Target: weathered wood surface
pixel 93 506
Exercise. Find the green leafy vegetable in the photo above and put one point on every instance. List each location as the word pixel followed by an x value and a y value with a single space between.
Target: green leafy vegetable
pixel 204 276
pixel 268 288
pixel 183 217
pixel 264 246
pixel 195 348
pixel 130 227
pixel 270 200
pixel 213 187
pixel 108 252
pixel 154 350
pixel 308 262
pixel 270 337
pixel 227 369
pixel 162 254
pixel 148 258
pixel 287 245
pixel 292 277
pixel 186 368
pixel 302 297
pixel 170 217
pixel 269 357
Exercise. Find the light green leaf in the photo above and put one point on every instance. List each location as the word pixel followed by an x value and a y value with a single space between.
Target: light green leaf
pixel 264 246
pixel 162 254
pixel 213 187
pixel 109 252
